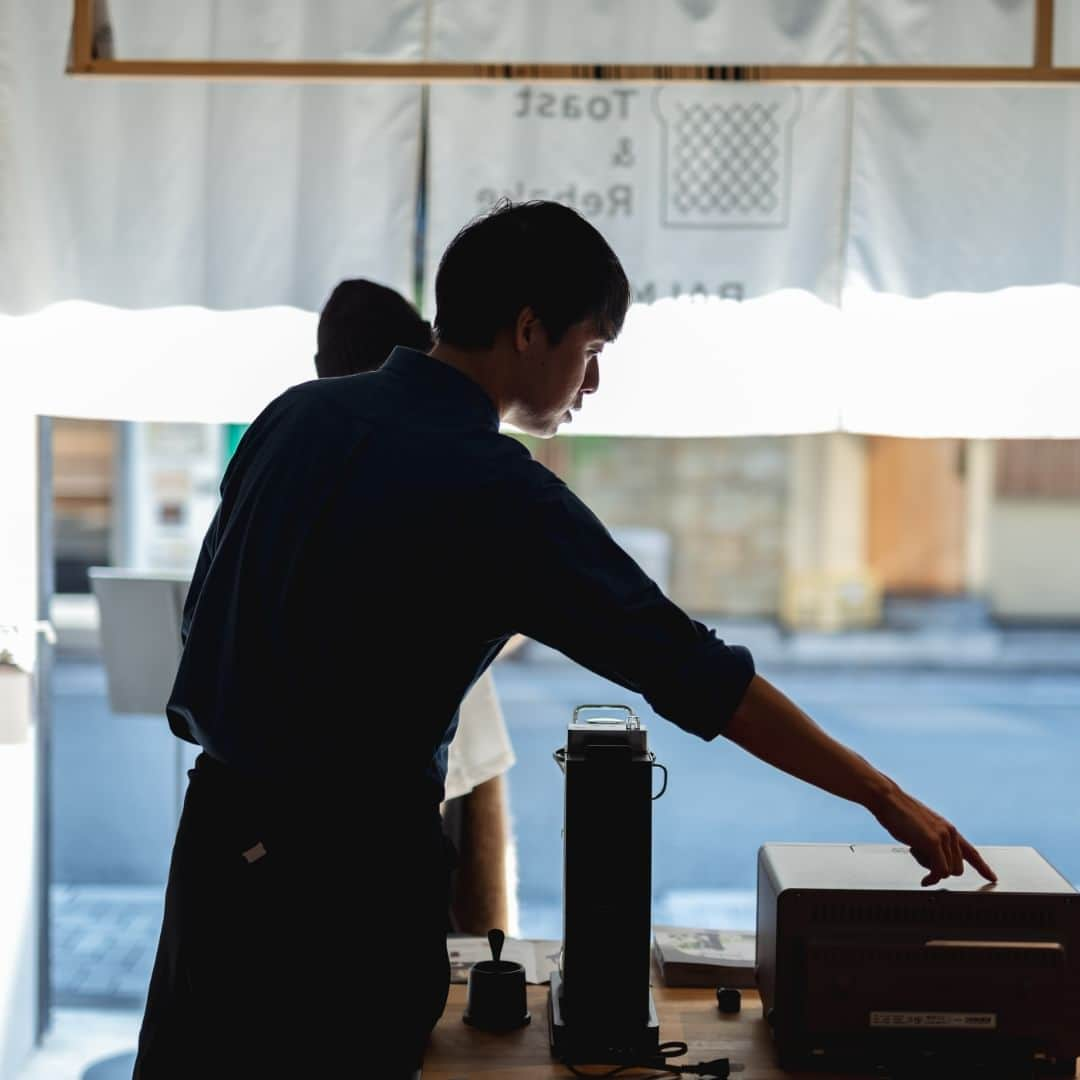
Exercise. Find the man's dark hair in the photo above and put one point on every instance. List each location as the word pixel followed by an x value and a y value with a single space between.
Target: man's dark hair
pixel 361 323
pixel 541 255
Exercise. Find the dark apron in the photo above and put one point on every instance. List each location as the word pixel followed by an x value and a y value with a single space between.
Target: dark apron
pixel 303 934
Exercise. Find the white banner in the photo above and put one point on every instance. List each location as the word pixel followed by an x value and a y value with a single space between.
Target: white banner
pixel 729 191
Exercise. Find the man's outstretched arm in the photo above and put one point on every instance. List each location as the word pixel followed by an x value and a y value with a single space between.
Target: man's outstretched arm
pixel 771 727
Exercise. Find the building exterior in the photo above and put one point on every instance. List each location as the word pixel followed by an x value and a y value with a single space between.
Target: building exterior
pixel 817 530
pixel 810 530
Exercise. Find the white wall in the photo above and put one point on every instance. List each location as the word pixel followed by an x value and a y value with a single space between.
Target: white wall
pixel 18 909
pixel 1034 558
pixel 18 860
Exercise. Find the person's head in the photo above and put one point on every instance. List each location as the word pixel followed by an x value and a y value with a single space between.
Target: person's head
pixel 537 285
pixel 361 323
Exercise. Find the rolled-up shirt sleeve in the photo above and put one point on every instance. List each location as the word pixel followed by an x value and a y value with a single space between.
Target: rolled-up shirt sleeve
pixel 575 589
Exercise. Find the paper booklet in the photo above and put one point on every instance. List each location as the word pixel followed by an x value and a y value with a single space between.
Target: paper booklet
pixel 690 957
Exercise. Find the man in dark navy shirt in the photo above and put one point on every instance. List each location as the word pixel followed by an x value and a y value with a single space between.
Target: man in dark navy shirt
pixel 359 516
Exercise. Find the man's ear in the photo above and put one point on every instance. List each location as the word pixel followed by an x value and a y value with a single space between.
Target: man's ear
pixel 526 327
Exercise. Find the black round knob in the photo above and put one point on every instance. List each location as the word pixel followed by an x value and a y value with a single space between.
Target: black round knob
pixel 728 999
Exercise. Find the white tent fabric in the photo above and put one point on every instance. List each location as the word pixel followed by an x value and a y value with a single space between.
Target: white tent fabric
pixel 914 191
pixel 731 191
pixel 732 31
pixel 975 365
pixel 696 188
pixel 1067 32
pixel 154 193
pixel 972 365
pixel 643 31
pixel 930 32
pixel 164 364
pixel 707 367
pixel 741 190
pixel 971 190
pixel 191 364
pixel 251 197
pixel 968 190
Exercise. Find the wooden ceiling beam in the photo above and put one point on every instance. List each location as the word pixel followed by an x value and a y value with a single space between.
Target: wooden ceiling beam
pixel 1040 73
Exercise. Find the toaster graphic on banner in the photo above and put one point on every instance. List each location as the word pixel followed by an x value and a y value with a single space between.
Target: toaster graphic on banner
pixel 726 155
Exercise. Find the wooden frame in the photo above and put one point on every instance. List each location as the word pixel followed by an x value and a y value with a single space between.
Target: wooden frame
pixel 1041 72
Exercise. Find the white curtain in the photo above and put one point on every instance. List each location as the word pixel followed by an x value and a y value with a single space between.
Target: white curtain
pixel 977 365
pixel 152 193
pixel 751 192
pixel 732 191
pixel 965 190
pixel 161 364
pixel 1067 33
pixel 740 190
pixel 843 257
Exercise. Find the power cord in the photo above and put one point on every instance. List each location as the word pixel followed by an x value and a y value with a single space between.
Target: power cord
pixel 718 1068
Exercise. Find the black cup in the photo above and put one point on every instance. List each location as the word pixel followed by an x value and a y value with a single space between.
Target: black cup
pixel 496 997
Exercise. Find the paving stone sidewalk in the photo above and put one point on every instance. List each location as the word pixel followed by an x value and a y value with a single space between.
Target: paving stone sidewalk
pixel 104 937
pixel 103 944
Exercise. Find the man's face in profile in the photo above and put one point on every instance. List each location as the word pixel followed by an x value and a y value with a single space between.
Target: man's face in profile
pixel 552 380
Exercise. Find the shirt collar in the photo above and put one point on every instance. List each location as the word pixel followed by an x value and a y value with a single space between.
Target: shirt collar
pixel 446 385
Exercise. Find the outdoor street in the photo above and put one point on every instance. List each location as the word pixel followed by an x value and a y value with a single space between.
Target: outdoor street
pixel 996 754
pixel 994 751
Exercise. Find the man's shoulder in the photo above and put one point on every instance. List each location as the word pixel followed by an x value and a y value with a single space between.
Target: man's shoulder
pixel 332 393
pixel 302 422
pixel 530 486
pixel 335 408
pixel 519 465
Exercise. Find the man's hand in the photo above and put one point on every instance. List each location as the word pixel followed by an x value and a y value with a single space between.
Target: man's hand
pixel 773 728
pixel 933 841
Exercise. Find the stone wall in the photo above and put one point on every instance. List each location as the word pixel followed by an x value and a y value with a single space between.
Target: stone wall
pixel 721 501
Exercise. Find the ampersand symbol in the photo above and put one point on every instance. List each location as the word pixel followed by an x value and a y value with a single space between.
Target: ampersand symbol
pixel 624 153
